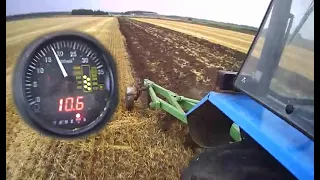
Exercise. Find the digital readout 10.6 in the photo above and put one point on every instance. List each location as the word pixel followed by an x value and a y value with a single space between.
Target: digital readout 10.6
pixel 69 104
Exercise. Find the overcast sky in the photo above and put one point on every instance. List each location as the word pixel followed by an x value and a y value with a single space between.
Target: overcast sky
pixel 246 12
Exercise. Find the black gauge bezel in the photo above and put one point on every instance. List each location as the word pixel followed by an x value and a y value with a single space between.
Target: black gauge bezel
pixel 23 106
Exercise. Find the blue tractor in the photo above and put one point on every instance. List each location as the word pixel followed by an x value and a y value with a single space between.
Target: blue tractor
pixel 267 107
pixel 259 124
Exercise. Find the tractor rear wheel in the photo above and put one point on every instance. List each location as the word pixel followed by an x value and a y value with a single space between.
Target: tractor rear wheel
pixel 235 161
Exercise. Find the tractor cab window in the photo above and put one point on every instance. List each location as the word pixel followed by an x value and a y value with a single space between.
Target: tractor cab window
pixel 279 69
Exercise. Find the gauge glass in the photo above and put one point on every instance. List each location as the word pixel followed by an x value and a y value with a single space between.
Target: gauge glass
pixel 67 83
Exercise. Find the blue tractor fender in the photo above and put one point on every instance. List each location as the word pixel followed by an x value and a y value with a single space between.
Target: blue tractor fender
pixel 289 146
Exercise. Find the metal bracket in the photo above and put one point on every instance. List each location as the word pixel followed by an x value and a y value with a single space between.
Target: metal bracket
pixel 173 104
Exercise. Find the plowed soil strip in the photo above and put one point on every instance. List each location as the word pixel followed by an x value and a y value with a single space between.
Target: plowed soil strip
pixel 179 62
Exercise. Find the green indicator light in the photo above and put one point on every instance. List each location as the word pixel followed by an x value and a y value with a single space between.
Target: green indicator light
pixel 101 86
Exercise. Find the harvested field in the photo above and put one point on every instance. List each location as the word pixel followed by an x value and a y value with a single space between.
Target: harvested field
pixel 132 146
pixel 294 59
pixel 182 63
pixel 235 40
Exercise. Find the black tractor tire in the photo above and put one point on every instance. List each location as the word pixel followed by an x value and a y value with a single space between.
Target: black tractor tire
pixel 237 161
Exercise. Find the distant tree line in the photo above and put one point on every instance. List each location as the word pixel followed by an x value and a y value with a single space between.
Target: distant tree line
pixel 88 12
pixel 35 15
pixel 140 13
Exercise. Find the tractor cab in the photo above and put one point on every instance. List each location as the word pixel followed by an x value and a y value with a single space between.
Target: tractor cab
pixel 279 69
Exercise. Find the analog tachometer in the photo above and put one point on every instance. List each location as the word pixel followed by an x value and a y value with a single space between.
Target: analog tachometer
pixel 65 84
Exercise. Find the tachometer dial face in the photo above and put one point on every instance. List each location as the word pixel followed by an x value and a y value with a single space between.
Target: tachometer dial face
pixel 65 84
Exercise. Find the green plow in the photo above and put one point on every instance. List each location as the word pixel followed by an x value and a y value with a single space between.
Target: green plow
pixel 175 105
pixel 168 101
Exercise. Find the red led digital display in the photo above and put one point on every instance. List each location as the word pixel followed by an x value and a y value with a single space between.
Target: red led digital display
pixel 69 104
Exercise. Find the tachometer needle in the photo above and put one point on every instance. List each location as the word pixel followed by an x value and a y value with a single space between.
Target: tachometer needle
pixel 64 72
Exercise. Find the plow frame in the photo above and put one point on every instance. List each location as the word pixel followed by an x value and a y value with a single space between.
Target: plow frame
pixel 175 105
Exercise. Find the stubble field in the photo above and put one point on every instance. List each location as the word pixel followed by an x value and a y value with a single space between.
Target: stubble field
pixel 130 147
pixel 235 40
pixel 133 145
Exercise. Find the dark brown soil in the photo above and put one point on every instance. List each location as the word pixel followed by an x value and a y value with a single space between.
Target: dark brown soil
pixel 181 63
